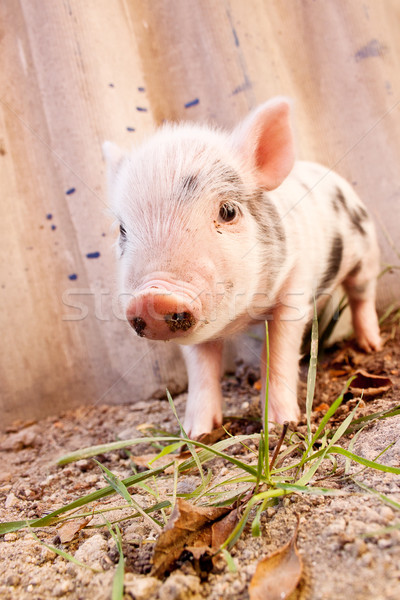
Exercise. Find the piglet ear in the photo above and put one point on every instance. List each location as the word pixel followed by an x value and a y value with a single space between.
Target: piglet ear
pixel 265 141
pixel 114 158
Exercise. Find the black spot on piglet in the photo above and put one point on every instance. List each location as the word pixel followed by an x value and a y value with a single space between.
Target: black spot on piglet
pixel 190 183
pixel 334 262
pixel 357 215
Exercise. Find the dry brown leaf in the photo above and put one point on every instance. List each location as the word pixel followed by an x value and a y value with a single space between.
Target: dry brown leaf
pixel 278 574
pixel 369 385
pixel 67 532
pixel 188 526
pixel 338 372
pixel 206 438
pixel 223 528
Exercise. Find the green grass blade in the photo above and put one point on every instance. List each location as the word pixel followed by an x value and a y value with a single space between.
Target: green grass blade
pixel 350 448
pixel 62 553
pixel 266 424
pixel 110 447
pixel 229 561
pixel 260 462
pixel 200 490
pixel 384 414
pixel 336 436
pixel 256 524
pixel 236 533
pixel 118 579
pixel 186 437
pixel 167 450
pixel 359 459
pixel 102 449
pixel 313 490
pixel 381 496
pixel 209 452
pixel 52 517
pixel 329 413
pixel 121 489
pixel 312 371
pixel 115 483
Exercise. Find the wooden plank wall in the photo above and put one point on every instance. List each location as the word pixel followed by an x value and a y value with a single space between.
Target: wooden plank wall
pixel 73 75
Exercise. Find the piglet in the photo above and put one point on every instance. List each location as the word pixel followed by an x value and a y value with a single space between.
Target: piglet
pixel 221 229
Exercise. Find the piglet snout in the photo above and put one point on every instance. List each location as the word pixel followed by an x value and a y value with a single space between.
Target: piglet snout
pixel 161 315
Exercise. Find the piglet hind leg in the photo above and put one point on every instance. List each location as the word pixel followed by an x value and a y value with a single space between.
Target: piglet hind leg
pixel 361 291
pixel 204 403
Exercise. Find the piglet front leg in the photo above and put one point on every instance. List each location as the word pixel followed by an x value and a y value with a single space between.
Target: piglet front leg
pixel 204 403
pixel 285 337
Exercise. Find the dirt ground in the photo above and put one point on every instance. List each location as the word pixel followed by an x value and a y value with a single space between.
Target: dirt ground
pixel 343 556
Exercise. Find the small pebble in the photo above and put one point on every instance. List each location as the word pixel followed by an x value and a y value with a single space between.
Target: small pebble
pixel 12 580
pixel 62 588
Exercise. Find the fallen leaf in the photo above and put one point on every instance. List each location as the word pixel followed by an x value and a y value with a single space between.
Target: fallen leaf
pixel 214 436
pixel 369 385
pixel 145 459
pixel 67 532
pixel 278 574
pixel 338 372
pixel 208 439
pixel 221 530
pixel 189 526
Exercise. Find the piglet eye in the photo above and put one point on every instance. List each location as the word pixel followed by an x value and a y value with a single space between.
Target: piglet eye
pixel 227 212
pixel 122 232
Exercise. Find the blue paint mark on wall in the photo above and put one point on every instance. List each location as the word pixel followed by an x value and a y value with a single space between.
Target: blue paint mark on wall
pixel 130 129
pixel 53 227
pixel 235 36
pixel 49 216
pixel 242 88
pixel 141 109
pixel 93 255
pixel 70 191
pixel 192 103
pixel 373 48
pixel 73 276
pixel 141 89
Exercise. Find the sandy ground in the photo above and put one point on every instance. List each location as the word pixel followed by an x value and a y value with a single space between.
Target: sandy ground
pixel 343 556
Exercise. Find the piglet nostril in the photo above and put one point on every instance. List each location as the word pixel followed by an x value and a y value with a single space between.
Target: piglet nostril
pixel 138 325
pixel 180 321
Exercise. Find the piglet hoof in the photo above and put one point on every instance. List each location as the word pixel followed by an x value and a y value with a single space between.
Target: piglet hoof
pixel 371 343
pixel 366 326
pixel 368 336
pixel 195 428
pixel 281 414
